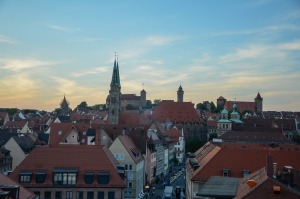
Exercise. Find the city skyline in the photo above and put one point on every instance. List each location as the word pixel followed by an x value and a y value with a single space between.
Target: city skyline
pixel 235 49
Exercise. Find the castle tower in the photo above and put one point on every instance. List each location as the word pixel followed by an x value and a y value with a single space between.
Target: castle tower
pixel 180 93
pixel 64 106
pixel 221 101
pixel 258 103
pixel 143 98
pixel 114 98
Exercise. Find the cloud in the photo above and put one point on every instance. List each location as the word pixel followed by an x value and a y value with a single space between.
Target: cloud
pixel 160 40
pixel 5 39
pixel 251 52
pixel 293 15
pixel 19 64
pixel 76 92
pixel 91 72
pixel 295 45
pixel 62 28
pixel 18 87
pixel 262 31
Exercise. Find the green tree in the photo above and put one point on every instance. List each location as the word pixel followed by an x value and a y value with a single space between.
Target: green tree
pixel 193 144
pixel 213 107
pixel 130 107
pixel 148 104
pixel 156 101
pixel 212 136
pixel 11 111
pixel 99 107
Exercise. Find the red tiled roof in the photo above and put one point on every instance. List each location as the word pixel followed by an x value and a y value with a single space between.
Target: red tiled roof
pixel 255 136
pixel 131 148
pixel 175 112
pixel 243 158
pixel 58 131
pixel 78 117
pixel 15 124
pixel 137 119
pixel 241 106
pixel 2 115
pixel 82 157
pixel 173 134
pixel 23 194
pixel 263 189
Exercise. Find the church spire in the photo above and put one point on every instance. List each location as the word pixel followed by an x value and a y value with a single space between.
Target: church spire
pixel 115 80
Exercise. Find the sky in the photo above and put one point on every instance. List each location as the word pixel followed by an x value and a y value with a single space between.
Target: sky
pixel 232 48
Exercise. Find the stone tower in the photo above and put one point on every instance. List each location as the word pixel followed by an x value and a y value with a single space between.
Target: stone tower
pixel 258 103
pixel 143 97
pixel 180 93
pixel 114 98
pixel 64 106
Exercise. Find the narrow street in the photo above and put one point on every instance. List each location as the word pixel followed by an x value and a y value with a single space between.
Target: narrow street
pixel 179 180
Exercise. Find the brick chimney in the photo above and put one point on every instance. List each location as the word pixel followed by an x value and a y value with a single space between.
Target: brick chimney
pixel 269 166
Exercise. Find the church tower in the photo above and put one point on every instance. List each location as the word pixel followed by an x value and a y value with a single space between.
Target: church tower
pixel 258 103
pixel 114 98
pixel 64 106
pixel 180 93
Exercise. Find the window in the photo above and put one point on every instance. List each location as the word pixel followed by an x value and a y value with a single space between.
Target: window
pixel 79 195
pixel 130 167
pixel 126 167
pixel 89 177
pixel 90 195
pixel 69 195
pixel 103 178
pixel 25 177
pixel 37 193
pixel 111 195
pixel 129 175
pixel 245 173
pixel 40 177
pixel 47 194
pixel 101 195
pixel 64 176
pixel 130 185
pixel 225 173
pixel 58 195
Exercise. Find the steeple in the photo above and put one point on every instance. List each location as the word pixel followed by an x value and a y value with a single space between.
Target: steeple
pixel 180 93
pixel 114 99
pixel 115 80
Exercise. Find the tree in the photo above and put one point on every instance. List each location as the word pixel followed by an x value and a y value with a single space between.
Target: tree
pixel 130 107
pixel 156 101
pixel 213 107
pixel 11 111
pixel 98 107
pixel 83 106
pixel 212 136
pixel 193 145
pixel 148 104
pixel 201 106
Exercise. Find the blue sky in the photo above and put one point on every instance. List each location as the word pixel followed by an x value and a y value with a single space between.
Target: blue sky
pixel 233 48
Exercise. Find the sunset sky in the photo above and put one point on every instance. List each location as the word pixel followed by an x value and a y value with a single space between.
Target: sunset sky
pixel 212 48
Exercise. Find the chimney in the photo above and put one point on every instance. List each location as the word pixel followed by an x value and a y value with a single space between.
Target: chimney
pixel 274 170
pixel 269 166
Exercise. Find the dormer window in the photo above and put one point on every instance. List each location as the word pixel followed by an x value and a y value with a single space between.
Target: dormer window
pixel 103 178
pixel 40 177
pixel 64 176
pixel 89 177
pixel 225 172
pixel 25 177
